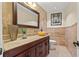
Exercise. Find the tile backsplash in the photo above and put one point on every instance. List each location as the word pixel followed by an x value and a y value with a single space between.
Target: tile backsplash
pixel 29 31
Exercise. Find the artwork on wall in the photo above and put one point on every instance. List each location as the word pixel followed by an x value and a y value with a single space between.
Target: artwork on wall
pixel 56 19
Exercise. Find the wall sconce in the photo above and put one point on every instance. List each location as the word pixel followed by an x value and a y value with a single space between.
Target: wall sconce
pixel 32 4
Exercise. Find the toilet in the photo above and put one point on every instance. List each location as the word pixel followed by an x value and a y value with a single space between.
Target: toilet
pixel 53 44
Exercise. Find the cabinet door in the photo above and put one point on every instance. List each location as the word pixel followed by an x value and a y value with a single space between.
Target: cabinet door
pixel 30 52
pixel 46 49
pixel 40 50
pixel 21 54
pixel 27 54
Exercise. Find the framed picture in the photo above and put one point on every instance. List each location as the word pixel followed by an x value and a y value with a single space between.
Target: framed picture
pixel 56 19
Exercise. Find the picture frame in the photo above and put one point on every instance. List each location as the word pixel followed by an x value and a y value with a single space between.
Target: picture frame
pixel 56 19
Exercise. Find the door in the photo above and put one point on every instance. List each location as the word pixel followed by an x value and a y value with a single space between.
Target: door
pixel 77 27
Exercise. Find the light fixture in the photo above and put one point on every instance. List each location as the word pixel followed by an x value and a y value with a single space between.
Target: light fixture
pixel 32 4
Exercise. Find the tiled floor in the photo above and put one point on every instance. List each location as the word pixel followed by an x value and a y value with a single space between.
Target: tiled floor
pixel 60 51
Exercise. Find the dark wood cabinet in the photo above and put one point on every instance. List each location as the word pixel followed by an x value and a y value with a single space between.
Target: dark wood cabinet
pixel 38 48
pixel 30 52
pixel 23 54
pixel 46 43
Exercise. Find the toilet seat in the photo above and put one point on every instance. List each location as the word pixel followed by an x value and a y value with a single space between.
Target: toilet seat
pixel 53 44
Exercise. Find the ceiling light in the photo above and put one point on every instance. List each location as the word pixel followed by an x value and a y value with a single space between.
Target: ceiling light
pixel 32 4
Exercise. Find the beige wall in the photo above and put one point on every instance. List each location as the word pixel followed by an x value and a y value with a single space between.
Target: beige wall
pixel 71 36
pixel 71 28
pixel 70 14
pixel 7 19
pixel 0 25
pixel 57 34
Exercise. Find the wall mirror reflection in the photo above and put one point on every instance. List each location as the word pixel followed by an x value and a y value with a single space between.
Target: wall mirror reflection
pixel 26 16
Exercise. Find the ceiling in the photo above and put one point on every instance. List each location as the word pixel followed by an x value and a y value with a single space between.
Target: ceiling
pixel 53 6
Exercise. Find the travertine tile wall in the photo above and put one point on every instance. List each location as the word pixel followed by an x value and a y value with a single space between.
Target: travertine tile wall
pixel 6 18
pixel 71 36
pixel 57 34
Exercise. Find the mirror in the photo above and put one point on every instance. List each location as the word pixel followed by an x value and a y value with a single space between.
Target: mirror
pixel 25 16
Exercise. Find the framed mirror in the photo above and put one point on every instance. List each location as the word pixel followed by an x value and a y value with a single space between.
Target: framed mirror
pixel 25 16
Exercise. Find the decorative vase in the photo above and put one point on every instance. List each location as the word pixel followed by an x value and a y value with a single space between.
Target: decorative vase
pixel 13 32
pixel 24 33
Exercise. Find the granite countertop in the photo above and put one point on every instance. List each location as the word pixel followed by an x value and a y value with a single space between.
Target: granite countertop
pixel 20 41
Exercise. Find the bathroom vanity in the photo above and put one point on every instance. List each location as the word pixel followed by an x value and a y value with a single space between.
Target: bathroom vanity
pixel 33 46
